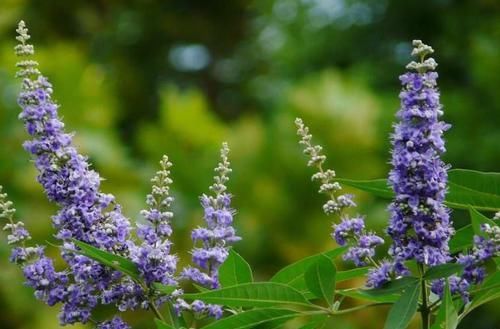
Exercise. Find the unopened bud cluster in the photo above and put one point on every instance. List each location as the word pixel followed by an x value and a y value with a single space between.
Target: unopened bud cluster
pixel 350 231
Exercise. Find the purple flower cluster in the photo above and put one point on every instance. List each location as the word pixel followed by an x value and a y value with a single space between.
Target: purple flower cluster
pixel 214 239
pixel 485 247
pixel 420 225
pixel 115 323
pixel 84 213
pixel 362 244
pixel 350 231
pixel 152 257
pixel 385 272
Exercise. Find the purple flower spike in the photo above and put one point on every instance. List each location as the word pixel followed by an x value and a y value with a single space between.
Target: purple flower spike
pixel 213 240
pixel 420 225
pixel 153 257
pixel 85 213
pixel 350 231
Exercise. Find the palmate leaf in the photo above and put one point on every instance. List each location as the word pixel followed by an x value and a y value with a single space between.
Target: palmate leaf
pixel 466 188
pixel 293 274
pixel 320 278
pixel 116 262
pixel 447 317
pixel 234 270
pixel 260 294
pixel 252 318
pixel 404 309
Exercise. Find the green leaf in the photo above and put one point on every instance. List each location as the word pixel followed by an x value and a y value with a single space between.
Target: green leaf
pixel 351 274
pixel 466 188
pixel 462 239
pixel 163 288
pixel 234 270
pixel 403 310
pixel 442 271
pixel 200 288
pixel 489 290
pixel 393 287
pixel 340 277
pixel 252 294
pixel 478 219
pixel 361 294
pixel 480 190
pixel 293 275
pixel 252 318
pixel 116 262
pixel 378 187
pixel 447 317
pixel 320 278
pixel 162 325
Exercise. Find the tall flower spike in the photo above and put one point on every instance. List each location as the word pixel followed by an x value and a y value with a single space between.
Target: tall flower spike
pixel 153 257
pixel 350 231
pixel 215 238
pixel 420 225
pixel 85 213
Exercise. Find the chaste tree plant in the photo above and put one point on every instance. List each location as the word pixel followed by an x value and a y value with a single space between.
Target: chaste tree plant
pixel 431 268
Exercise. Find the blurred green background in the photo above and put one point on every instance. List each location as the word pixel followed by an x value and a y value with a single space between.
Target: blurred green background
pixel 138 79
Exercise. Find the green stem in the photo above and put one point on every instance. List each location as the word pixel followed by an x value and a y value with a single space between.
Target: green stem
pixel 424 310
pixel 155 310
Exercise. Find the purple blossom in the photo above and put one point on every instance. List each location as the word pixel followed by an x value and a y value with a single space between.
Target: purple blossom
pixel 458 285
pixel 378 276
pixel 485 247
pixel 384 273
pixel 348 227
pixel 115 323
pixel 152 257
pixel 48 284
pixel 200 308
pixel 420 225
pixel 213 240
pixel 218 234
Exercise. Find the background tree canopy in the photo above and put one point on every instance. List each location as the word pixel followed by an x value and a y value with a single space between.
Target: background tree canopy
pixel 137 79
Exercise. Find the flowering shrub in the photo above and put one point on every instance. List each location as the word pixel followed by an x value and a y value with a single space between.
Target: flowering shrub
pixel 431 269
